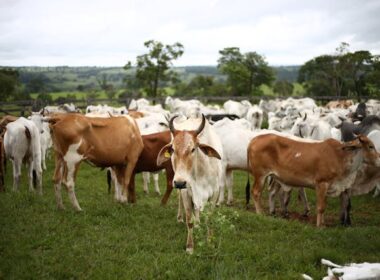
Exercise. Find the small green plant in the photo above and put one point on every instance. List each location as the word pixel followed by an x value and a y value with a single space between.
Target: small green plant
pixel 214 227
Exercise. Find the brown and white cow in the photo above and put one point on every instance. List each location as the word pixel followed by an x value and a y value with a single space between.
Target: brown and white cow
pixel 105 142
pixel 330 167
pixel 195 152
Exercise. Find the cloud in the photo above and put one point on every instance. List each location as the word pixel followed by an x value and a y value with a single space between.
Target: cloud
pixel 70 32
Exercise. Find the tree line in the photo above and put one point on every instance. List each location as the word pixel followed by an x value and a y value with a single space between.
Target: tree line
pixel 343 73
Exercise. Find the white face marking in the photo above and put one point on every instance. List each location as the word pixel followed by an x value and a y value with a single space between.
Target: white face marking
pixel 297 155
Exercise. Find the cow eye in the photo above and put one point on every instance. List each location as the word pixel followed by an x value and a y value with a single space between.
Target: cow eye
pixel 193 150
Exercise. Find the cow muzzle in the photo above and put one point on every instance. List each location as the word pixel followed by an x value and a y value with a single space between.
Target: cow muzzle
pixel 180 184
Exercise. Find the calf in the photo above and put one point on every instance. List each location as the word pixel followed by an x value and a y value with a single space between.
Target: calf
pixel 105 142
pixel 328 166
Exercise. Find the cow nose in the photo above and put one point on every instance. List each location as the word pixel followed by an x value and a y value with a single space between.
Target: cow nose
pixel 180 184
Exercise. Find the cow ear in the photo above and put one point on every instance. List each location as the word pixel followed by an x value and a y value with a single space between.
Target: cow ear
pixel 350 148
pixel 211 152
pixel 164 155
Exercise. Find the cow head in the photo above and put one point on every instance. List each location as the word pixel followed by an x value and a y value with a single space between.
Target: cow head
pixel 183 152
pixel 370 155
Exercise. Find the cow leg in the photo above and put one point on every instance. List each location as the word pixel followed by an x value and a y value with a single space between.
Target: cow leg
pixel 256 193
pixel 127 177
pixel 345 207
pixel 146 179
pixel 156 186
pixel 229 184
pixel 119 180
pixel 30 175
pixel 321 203
pixel 169 185
pixel 16 173
pixel 273 191
pixel 221 192
pixel 285 199
pixel 302 196
pixel 57 180
pixel 377 190
pixel 72 168
pixel 180 208
pixel 187 204
pixel 43 156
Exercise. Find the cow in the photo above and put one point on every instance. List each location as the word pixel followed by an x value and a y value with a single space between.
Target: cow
pixel 349 271
pixel 22 144
pixel 153 144
pixel 328 166
pixel 195 152
pixel 350 130
pixel 45 138
pixel 4 121
pixel 77 138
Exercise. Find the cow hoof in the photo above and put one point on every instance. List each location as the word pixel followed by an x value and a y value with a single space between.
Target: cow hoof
pixel 229 203
pixel 190 251
pixel 180 220
pixel 61 207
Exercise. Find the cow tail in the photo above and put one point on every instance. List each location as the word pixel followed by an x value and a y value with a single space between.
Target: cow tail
pixel 248 185
pixel 27 134
pixel 247 191
pixel 34 179
pixel 109 179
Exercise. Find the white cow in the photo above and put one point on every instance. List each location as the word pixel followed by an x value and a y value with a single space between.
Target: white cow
pixel 196 152
pixel 255 117
pixel 22 144
pixel 239 109
pixel 352 271
pixel 45 137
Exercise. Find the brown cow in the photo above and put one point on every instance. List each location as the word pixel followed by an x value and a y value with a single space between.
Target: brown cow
pixel 340 104
pixel 328 166
pixel 147 162
pixel 105 142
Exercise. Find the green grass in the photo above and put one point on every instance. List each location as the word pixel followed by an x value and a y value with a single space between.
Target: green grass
pixel 144 241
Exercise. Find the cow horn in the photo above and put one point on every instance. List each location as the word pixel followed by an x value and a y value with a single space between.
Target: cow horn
pixel 299 129
pixel 171 125
pixel 202 126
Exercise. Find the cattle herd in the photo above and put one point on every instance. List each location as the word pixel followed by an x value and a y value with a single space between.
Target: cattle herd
pixel 332 149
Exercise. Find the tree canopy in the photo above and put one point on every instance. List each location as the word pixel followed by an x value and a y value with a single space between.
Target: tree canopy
pixel 154 66
pixel 342 74
pixel 9 83
pixel 245 72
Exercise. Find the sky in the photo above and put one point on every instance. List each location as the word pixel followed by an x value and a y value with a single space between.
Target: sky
pixel 112 32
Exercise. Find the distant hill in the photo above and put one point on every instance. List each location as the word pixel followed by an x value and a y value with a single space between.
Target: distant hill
pixel 65 78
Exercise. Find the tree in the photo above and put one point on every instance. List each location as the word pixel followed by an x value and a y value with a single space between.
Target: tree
pixel 107 87
pixel 9 83
pixel 283 88
pixel 152 69
pixel 342 74
pixel 245 72
pixel 201 85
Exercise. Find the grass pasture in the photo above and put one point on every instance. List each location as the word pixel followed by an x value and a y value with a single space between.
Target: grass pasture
pixel 144 241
